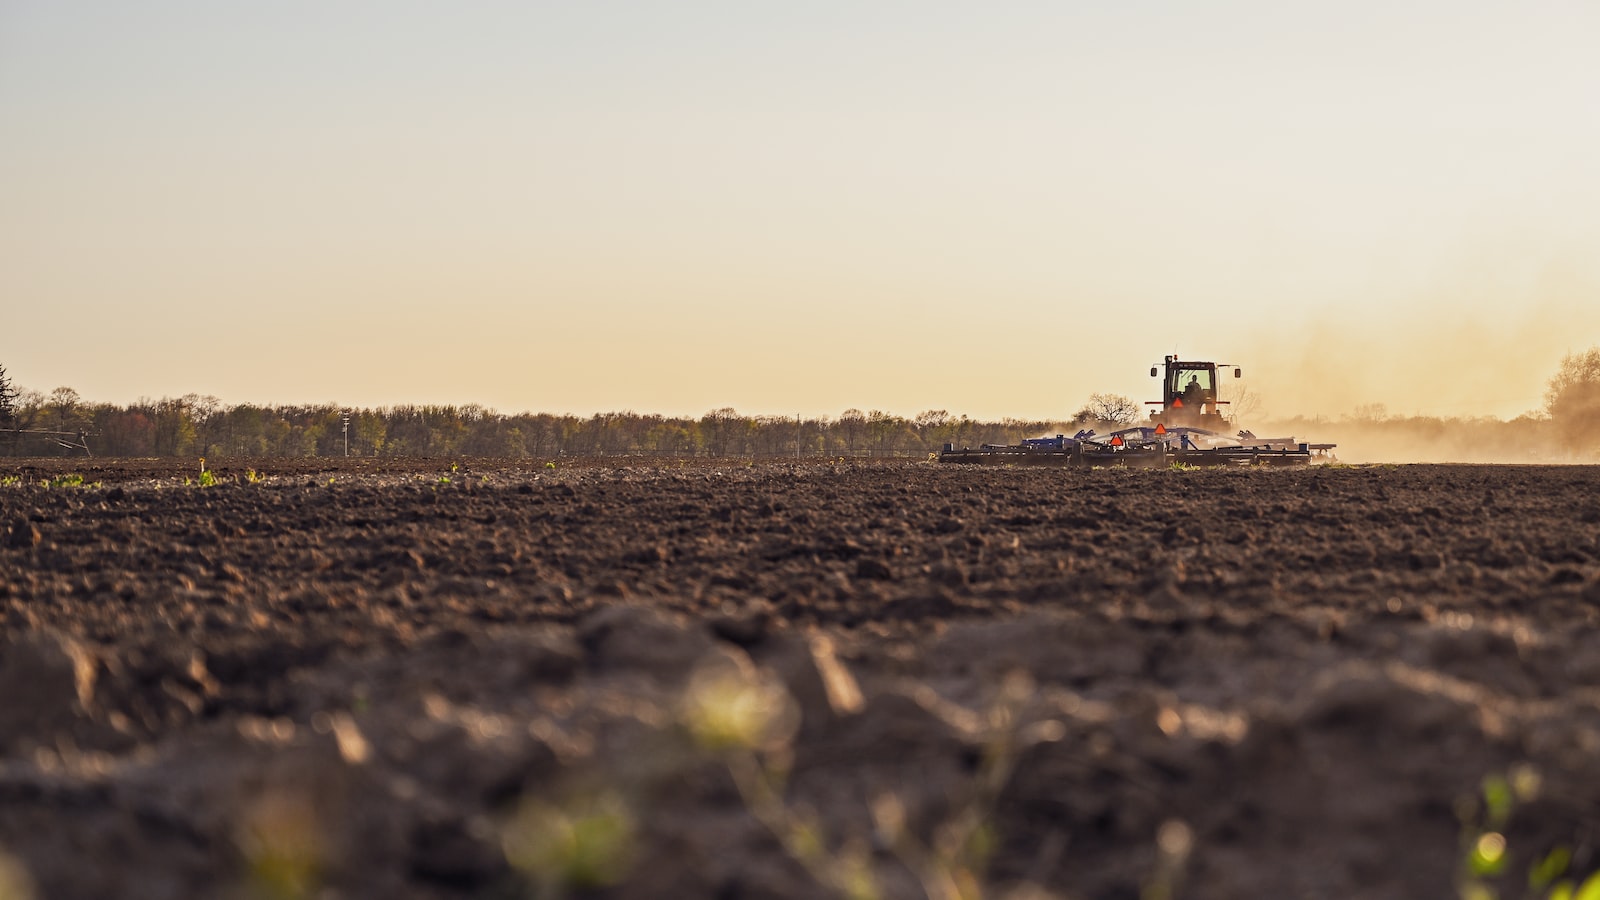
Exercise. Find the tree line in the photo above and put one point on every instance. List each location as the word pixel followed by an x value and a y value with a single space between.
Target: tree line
pixel 194 425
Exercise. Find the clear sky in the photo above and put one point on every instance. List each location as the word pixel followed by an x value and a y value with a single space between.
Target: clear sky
pixel 994 209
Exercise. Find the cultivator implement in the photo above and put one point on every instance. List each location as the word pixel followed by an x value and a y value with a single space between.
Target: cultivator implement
pixel 1182 432
pixel 68 440
pixel 1144 447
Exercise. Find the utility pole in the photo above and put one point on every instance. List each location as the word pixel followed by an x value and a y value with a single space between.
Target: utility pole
pixel 346 418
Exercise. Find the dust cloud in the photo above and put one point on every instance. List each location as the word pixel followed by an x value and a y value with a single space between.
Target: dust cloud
pixel 1434 383
pixel 1407 367
pixel 1423 439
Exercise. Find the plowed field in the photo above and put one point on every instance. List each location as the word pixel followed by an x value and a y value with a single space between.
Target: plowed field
pixel 404 678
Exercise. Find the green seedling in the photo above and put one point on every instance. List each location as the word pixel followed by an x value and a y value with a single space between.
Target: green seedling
pixel 253 477
pixel 207 478
pixel 1589 890
pixel 1486 855
pixel 281 839
pixel 744 717
pixel 579 845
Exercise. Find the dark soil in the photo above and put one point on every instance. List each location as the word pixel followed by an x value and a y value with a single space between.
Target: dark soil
pixel 378 678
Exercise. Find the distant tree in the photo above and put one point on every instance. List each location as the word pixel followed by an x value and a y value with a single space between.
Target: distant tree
pixel 934 427
pixel 774 435
pixel 174 433
pixel 368 431
pixel 1244 404
pixel 852 428
pixel 205 413
pixel 124 432
pixel 1370 413
pixel 888 432
pixel 8 399
pixel 27 409
pixel 63 408
pixel 721 428
pixel 1573 401
pixel 1110 409
pixel 243 431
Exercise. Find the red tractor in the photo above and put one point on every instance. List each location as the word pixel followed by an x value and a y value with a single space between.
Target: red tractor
pixel 1188 429
pixel 1189 395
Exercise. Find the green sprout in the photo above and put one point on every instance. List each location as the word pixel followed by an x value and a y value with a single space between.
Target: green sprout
pixel 1486 857
pixel 251 476
pixel 733 706
pixel 1486 853
pixel 580 845
pixel 747 719
pixel 281 841
pixel 207 478
pixel 1589 890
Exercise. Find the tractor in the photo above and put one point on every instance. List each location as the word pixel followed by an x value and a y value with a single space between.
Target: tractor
pixel 1189 394
pixel 1188 429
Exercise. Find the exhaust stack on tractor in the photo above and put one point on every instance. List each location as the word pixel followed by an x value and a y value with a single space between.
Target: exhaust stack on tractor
pixel 1189 428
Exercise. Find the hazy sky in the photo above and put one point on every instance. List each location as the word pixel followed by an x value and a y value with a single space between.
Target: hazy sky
pixel 994 209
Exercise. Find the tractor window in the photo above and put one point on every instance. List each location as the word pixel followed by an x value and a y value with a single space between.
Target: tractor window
pixel 1183 377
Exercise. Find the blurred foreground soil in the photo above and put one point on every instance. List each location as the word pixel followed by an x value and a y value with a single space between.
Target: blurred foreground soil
pixel 416 678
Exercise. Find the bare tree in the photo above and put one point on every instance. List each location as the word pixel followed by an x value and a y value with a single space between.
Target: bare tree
pixel 1573 400
pixel 64 406
pixel 1110 409
pixel 1243 402
pixel 853 427
pixel 721 428
pixel 934 426
pixel 1370 413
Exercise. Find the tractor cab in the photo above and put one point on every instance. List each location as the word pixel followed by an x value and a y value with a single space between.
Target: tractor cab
pixel 1189 394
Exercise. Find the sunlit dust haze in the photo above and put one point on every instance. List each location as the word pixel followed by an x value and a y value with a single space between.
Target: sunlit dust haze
pixel 994 210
